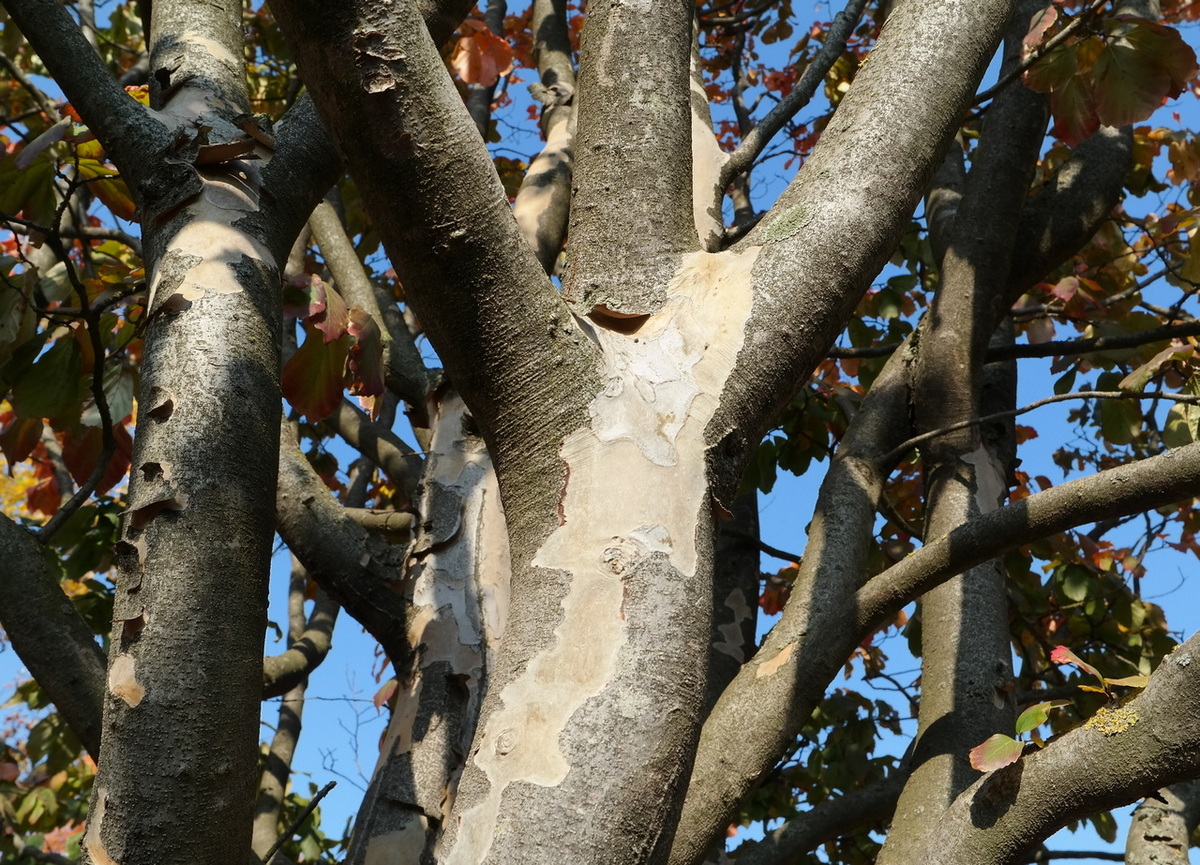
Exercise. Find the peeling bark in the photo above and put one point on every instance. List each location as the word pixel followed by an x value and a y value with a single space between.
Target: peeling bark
pixel 457 578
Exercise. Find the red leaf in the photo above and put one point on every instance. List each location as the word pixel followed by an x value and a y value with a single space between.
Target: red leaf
pixel 366 355
pixel 1142 65
pixel 81 449
pixel 1063 655
pixel 19 439
pixel 314 377
pixel 44 496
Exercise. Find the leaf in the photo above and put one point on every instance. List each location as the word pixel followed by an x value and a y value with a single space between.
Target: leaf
pixel 38 146
pixel 1131 681
pixel 52 387
pixel 1076 581
pixel 81 450
pixel 1037 714
pixel 314 377
pixel 1141 66
pixel 1183 418
pixel 480 56
pixel 108 186
pixel 385 693
pixel 366 355
pixel 1137 380
pixel 996 752
pixel 19 439
pixel 327 311
pixel 1063 655
pixel 1120 421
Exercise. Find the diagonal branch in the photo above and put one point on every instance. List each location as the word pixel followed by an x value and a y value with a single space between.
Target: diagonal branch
pixel 129 134
pixel 1150 483
pixel 838 221
pixel 813 77
pixel 431 187
pixel 354 567
pixel 49 636
pixel 826 821
pixel 1147 743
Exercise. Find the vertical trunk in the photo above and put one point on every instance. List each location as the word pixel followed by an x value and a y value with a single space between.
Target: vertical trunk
pixel 185 670
pixel 964 622
pixel 457 579
pixel 1163 825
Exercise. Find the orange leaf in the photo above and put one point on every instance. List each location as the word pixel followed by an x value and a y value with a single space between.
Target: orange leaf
pixel 480 57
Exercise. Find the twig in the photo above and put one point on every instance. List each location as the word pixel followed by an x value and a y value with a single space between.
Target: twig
pixel 1052 43
pixel 43 101
pixel 299 821
pixel 904 447
pixel 758 137
pixel 1055 348
pixel 99 356
pixel 773 552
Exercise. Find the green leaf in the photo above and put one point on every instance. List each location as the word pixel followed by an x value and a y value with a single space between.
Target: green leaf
pixel 1076 581
pixel 1120 421
pixel 1142 65
pixel 1183 419
pixel 996 753
pixel 52 386
pixel 1105 826
pixel 1065 382
pixel 1037 714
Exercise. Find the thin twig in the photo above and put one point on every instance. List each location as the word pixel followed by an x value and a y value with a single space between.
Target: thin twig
pixel 1055 348
pixel 903 448
pixel 45 105
pixel 1052 43
pixel 299 821
pixel 99 356
pixel 773 552
pixel 758 137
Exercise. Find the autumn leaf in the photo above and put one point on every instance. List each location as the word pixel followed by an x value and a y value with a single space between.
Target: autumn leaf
pixel 1037 714
pixel 480 57
pixel 366 355
pixel 996 752
pixel 314 377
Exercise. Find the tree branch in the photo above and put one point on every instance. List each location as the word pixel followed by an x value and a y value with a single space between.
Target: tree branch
pixel 49 636
pixel 129 135
pixel 357 569
pixel 432 189
pixel 904 447
pixel 543 202
pixel 378 444
pixel 625 245
pixel 824 822
pixel 1149 742
pixel 406 372
pixel 840 218
pixel 813 77
pixel 305 651
pixel 1142 485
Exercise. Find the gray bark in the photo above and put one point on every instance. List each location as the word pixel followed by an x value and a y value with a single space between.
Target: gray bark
pixel 1162 826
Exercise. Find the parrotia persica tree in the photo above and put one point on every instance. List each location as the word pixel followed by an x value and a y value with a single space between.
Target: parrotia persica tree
pixel 564 574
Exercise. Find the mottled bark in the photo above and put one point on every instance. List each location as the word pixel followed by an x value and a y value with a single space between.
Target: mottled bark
pixel 457 584
pixel 1162 826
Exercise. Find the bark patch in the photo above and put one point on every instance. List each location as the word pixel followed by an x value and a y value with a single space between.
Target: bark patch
pixel 635 488
pixel 771 667
pixel 123 683
pixel 91 841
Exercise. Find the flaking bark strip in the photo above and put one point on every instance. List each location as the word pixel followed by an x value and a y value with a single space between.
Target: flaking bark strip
pixel 632 491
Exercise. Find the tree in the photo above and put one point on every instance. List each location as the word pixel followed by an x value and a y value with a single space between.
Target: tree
pixel 575 671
